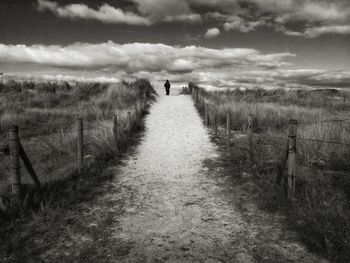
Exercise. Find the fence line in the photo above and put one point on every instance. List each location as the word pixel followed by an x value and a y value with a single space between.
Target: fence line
pixel 16 151
pixel 137 111
pixel 325 121
pixel 323 141
pixel 58 132
pixel 289 160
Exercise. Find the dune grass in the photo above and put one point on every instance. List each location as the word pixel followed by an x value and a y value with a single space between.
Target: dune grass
pixel 321 208
pixel 47 113
pixel 273 115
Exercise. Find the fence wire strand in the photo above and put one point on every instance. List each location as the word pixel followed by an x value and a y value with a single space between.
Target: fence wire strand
pixel 324 121
pixel 323 141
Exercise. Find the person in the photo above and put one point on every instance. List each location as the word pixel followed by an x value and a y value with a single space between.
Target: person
pixel 167 87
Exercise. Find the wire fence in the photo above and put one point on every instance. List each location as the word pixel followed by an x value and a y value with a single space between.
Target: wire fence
pixel 323 141
pixel 324 121
pixel 297 146
pixel 55 155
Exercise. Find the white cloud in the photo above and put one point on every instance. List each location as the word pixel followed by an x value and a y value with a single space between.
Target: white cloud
pixel 313 18
pixel 239 24
pixel 152 11
pixel 59 77
pixel 105 13
pixel 212 32
pixel 308 10
pixel 308 18
pixel 280 78
pixel 311 77
pixel 167 10
pixel 330 29
pixel 323 11
pixel 190 18
pixel 138 57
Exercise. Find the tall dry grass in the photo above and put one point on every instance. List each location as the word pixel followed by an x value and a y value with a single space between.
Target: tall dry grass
pixel 273 115
pixel 47 113
pixel 321 208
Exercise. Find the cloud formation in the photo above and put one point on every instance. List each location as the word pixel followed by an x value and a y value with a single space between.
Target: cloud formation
pixel 105 13
pixel 167 10
pixel 151 12
pixel 308 18
pixel 329 29
pixel 212 32
pixel 137 57
pixel 221 68
pixel 269 79
pixel 299 18
pixel 60 77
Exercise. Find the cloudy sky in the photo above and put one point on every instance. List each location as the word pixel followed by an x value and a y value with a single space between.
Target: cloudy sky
pixel 221 43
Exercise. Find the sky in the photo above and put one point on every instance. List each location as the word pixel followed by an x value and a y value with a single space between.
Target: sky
pixel 215 43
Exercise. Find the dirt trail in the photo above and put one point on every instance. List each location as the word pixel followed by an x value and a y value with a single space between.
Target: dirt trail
pixel 164 205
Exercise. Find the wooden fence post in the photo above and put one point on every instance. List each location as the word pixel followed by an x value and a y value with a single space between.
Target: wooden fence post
pixel 250 131
pixel 228 128
pixel 80 144
pixel 15 165
pixel 216 122
pixel 144 100
pixel 129 123
pixel 250 142
pixel 228 123
pixel 29 166
pixel 136 112
pixel 292 143
pixel 139 105
pixel 206 116
pixel 115 130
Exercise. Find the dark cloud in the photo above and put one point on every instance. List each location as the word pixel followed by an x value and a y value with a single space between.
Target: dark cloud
pixel 317 17
pixel 149 12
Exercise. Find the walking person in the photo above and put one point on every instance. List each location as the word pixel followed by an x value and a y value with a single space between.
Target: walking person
pixel 167 87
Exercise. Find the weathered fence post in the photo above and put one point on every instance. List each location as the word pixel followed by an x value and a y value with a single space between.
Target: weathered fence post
pixel 129 123
pixel 216 122
pixel 206 116
pixel 29 166
pixel 250 131
pixel 250 142
pixel 136 112
pixel 228 123
pixel 144 100
pixel 228 128
pixel 292 143
pixel 80 144
pixel 139 105
pixel 15 165
pixel 115 130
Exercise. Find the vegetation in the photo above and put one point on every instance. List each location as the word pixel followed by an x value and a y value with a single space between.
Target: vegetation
pixel 46 114
pixel 321 207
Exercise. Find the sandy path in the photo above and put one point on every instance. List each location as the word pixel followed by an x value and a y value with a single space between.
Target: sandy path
pixel 177 211
pixel 164 205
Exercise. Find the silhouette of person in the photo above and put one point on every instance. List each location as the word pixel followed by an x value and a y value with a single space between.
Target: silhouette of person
pixel 167 87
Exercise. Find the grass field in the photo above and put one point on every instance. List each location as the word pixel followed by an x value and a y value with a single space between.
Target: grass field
pixel 47 113
pixel 321 207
